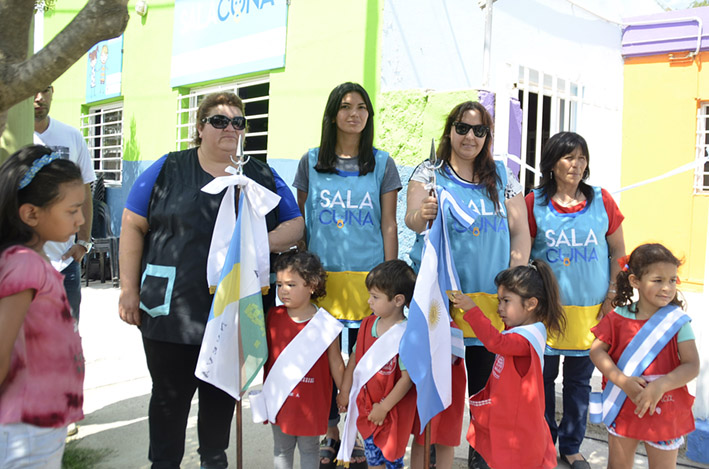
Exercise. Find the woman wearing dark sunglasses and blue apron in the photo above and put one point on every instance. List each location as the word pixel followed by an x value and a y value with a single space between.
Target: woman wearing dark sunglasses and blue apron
pixel 498 239
pixel 347 191
pixel 165 237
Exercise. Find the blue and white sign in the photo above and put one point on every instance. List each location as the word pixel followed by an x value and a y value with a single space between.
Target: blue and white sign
pixel 103 70
pixel 214 39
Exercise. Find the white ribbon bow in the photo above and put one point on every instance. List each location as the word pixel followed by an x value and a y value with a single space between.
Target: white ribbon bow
pixel 259 201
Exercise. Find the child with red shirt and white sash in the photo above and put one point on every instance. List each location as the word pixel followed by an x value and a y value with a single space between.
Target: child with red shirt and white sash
pixel 376 389
pixel 647 354
pixel 303 360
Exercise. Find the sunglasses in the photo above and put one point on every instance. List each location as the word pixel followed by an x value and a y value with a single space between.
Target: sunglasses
pixel 220 122
pixel 480 130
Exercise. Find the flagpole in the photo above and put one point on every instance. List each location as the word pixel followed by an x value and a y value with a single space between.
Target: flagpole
pixel 433 165
pixel 239 447
pixel 427 446
pixel 239 422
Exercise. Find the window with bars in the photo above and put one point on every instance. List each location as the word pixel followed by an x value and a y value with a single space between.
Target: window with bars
pixel 103 130
pixel 701 173
pixel 255 95
pixel 550 105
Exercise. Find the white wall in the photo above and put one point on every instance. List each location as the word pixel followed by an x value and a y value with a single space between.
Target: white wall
pixel 438 44
pixel 435 44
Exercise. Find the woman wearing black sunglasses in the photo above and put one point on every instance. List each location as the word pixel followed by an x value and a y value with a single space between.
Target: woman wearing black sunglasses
pixel 166 232
pixel 498 239
pixel 347 190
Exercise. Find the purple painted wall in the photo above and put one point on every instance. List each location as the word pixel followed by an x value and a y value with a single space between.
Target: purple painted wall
pixel 673 31
pixel 514 139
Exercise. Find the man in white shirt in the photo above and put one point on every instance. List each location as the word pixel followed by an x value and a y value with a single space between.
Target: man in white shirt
pixel 68 141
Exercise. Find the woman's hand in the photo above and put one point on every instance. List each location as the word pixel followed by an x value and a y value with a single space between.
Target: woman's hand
pixel 606 307
pixel 129 307
pixel 429 208
pixel 421 206
pixel 134 227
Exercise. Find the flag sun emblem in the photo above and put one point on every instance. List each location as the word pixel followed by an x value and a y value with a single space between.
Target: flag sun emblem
pixel 434 313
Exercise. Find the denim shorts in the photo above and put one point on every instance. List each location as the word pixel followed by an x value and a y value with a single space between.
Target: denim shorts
pixel 23 446
pixel 666 445
pixel 376 458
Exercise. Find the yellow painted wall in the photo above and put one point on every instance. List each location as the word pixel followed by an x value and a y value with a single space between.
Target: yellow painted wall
pixel 660 102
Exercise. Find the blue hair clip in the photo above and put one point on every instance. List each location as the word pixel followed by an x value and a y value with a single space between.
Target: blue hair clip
pixel 36 166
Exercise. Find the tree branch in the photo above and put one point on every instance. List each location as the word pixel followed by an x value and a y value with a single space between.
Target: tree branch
pixel 97 21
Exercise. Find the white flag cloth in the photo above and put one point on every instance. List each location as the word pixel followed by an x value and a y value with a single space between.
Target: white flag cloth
pixel 234 344
pixel 261 201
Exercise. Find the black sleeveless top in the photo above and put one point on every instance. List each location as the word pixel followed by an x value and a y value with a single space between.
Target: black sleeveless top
pixel 174 295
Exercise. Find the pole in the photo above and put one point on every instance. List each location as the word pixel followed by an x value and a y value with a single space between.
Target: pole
pixel 427 446
pixel 487 44
pixel 239 447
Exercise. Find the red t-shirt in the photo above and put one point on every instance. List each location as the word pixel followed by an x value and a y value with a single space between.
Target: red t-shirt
pixel 507 424
pixel 393 435
pixel 307 408
pixel 673 417
pixel 447 426
pixel 615 218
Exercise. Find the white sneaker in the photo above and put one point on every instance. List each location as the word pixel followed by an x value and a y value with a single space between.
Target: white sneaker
pixel 72 429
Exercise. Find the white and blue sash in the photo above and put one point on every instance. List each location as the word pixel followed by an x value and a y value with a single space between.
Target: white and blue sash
pixel 292 364
pixel 536 334
pixel 637 356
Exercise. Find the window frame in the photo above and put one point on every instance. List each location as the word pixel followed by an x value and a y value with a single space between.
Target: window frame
pixel 701 172
pixel 88 127
pixel 188 103
pixel 565 99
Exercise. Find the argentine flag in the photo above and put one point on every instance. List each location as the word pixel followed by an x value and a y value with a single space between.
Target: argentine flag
pixel 234 343
pixel 425 348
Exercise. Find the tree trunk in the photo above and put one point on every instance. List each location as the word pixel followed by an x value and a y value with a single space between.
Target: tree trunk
pixel 22 75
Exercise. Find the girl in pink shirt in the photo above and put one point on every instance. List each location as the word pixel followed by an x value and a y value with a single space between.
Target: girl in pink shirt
pixel 41 361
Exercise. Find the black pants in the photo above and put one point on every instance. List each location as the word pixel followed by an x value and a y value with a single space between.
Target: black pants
pixel 172 368
pixel 478 364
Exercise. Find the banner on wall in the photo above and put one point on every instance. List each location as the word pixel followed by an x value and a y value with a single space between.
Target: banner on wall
pixel 215 39
pixel 104 66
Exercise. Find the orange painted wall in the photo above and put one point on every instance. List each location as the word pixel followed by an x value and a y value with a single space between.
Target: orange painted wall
pixel 660 102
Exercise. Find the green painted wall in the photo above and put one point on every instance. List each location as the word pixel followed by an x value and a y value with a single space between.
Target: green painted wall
pixel 327 43
pixel 408 120
pixel 149 101
pixel 324 48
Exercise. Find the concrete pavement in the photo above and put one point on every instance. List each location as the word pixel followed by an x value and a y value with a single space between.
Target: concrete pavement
pixel 117 391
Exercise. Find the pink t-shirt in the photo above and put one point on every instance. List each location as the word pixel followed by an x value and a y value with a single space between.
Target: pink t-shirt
pixel 44 386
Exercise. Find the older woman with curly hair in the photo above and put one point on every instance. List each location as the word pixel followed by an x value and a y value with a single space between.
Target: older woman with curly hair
pixel 165 237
